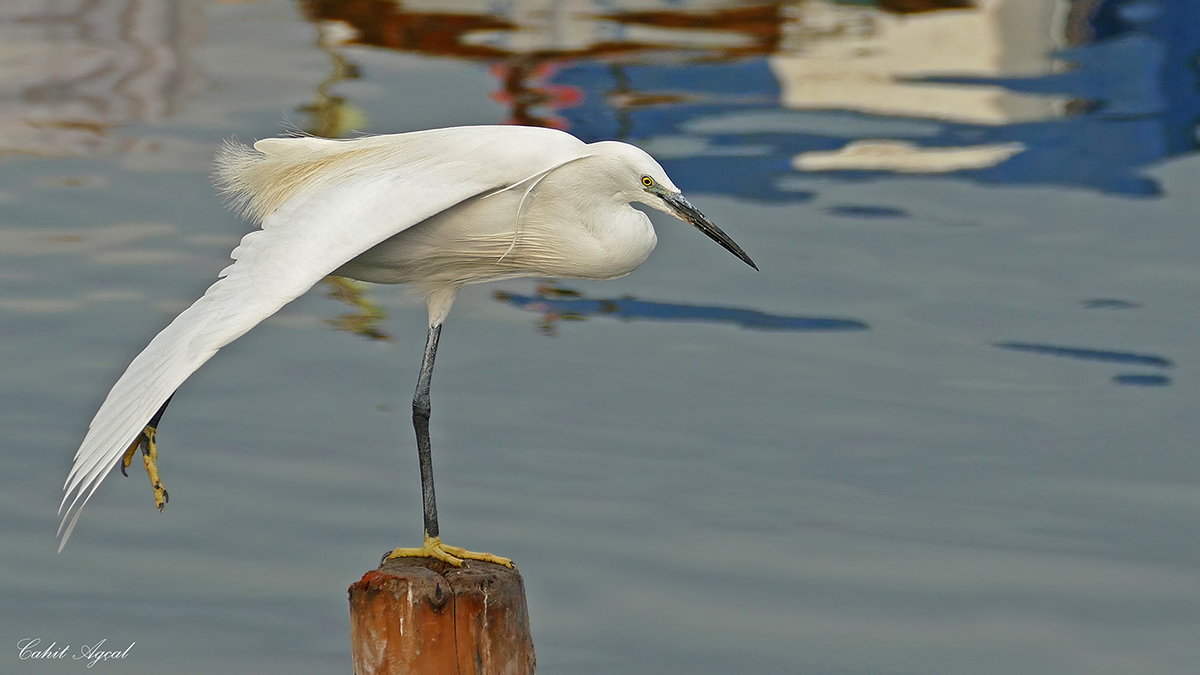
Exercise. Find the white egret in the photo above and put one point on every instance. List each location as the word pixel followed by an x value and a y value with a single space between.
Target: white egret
pixel 439 209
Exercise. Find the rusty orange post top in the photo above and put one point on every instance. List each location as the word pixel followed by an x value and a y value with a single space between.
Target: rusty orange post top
pixel 423 616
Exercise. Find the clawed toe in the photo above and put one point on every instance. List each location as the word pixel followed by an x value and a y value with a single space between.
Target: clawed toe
pixel 452 555
pixel 145 441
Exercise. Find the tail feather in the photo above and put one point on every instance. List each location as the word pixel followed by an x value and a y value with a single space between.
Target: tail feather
pixel 258 180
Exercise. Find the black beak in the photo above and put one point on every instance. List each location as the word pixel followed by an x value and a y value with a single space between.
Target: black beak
pixel 684 209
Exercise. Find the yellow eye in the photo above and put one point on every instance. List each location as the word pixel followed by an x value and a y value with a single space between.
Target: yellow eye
pixel 647 181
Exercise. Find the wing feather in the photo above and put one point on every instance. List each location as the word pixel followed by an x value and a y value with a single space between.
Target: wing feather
pixel 321 203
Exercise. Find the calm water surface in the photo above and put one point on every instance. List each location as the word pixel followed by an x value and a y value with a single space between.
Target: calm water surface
pixel 950 428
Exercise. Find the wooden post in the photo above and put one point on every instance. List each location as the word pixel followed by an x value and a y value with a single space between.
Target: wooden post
pixel 421 616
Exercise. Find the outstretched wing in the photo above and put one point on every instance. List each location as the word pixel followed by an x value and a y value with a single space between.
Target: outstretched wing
pixel 321 203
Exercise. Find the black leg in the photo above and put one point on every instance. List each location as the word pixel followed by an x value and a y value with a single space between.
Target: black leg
pixel 421 412
pixel 158 415
pixel 433 546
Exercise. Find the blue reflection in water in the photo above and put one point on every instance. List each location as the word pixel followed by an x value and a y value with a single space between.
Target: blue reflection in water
pixel 1136 380
pixel 1109 303
pixel 1089 354
pixel 1107 356
pixel 1130 95
pixel 579 308
pixel 864 211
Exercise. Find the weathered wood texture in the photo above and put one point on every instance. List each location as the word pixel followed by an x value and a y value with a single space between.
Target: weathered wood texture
pixel 422 616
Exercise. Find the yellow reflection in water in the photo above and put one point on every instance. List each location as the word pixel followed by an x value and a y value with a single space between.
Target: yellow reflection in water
pixel 367 318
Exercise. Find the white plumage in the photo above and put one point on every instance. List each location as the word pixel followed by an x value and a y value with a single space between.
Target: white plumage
pixel 438 208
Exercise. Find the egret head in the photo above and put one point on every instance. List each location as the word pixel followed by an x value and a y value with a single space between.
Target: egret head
pixel 673 202
pixel 649 184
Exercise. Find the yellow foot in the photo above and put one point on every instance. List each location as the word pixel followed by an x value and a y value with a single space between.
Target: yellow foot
pixel 434 548
pixel 145 441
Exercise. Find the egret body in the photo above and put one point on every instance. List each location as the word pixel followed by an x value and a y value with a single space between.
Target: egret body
pixel 438 209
